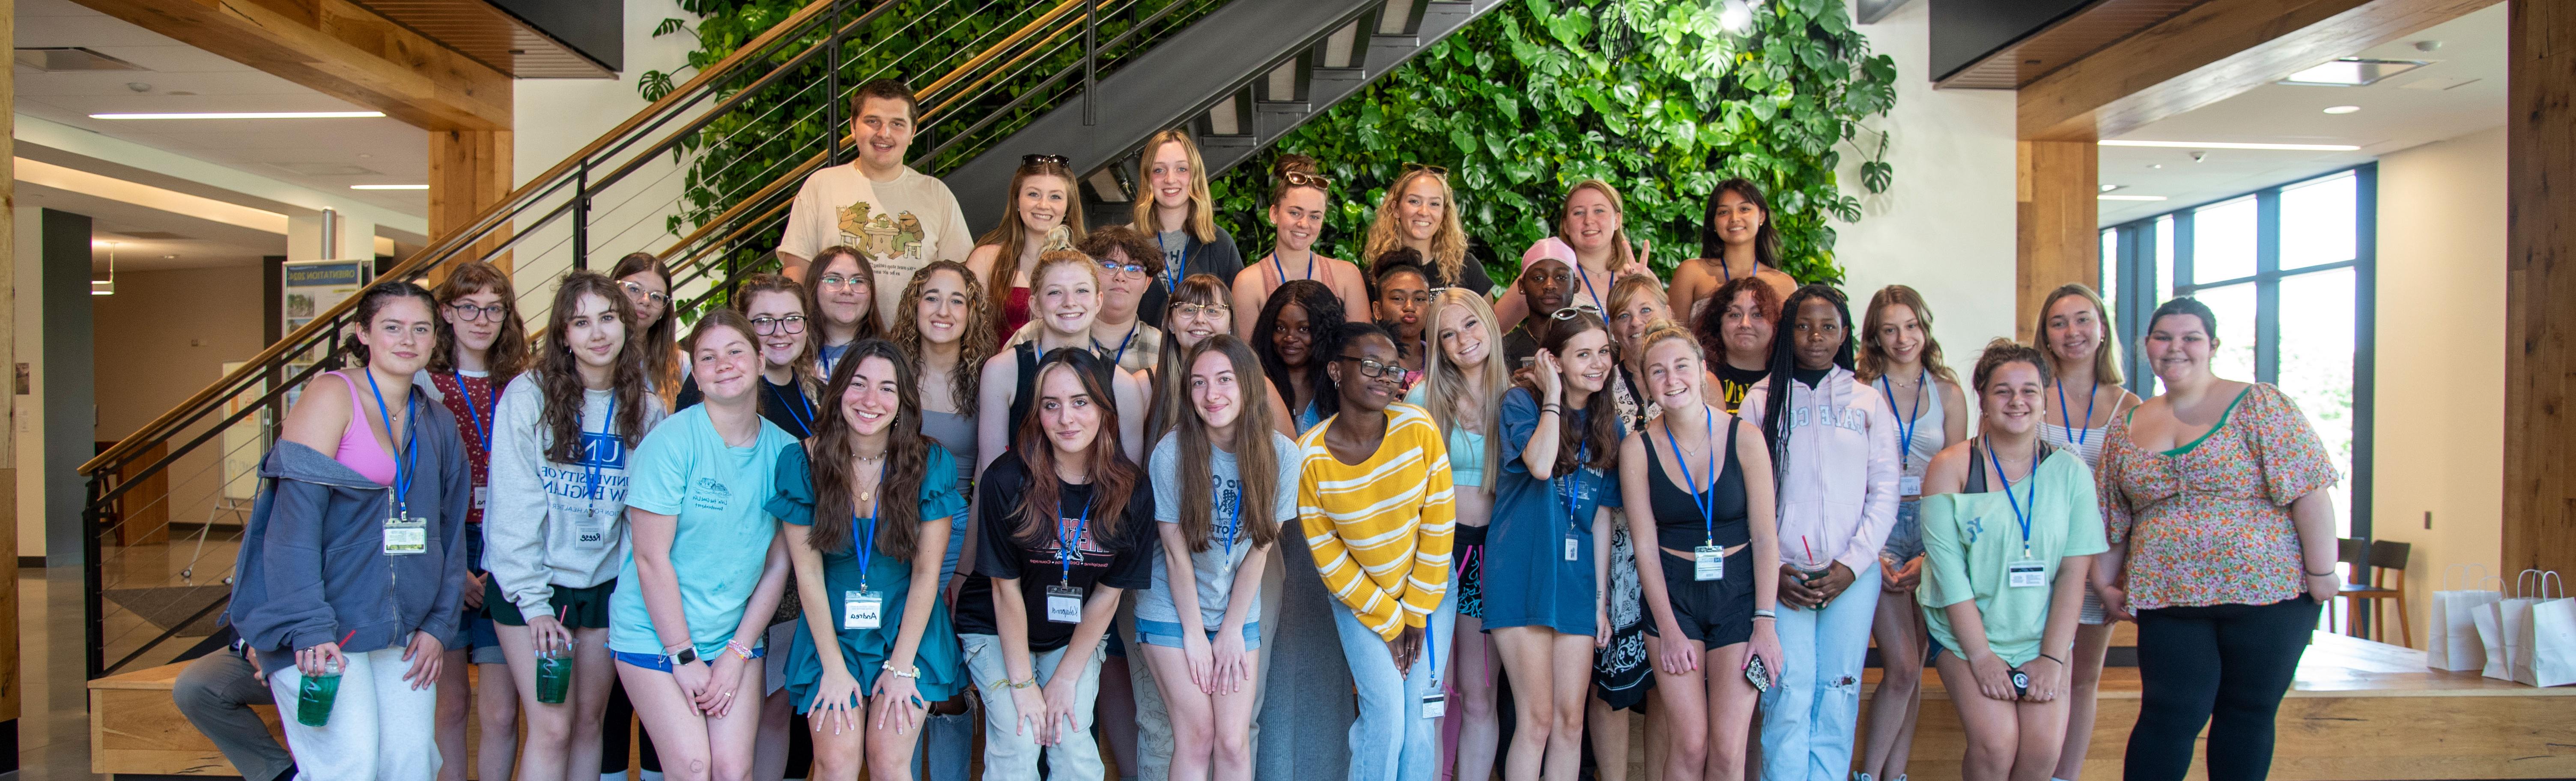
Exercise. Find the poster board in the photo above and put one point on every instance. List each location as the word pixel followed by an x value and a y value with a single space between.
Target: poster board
pixel 244 442
pixel 310 288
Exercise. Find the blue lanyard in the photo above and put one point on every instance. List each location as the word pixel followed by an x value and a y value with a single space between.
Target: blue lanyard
pixel 1234 523
pixel 1172 276
pixel 802 411
pixel 590 468
pixel 403 469
pixel 1065 549
pixel 474 415
pixel 1905 428
pixel 1587 288
pixel 1430 647
pixel 1122 344
pixel 2019 516
pixel 1706 500
pixel 867 544
pixel 1573 489
pixel 1283 270
pixel 2072 432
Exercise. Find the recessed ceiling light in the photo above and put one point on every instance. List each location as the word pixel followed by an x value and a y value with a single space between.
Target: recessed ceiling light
pixel 389 187
pixel 2351 72
pixel 250 115
pixel 2342 109
pixel 2131 197
pixel 2231 145
pixel 2109 187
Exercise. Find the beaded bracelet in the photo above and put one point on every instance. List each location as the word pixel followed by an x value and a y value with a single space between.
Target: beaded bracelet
pixel 913 672
pixel 738 648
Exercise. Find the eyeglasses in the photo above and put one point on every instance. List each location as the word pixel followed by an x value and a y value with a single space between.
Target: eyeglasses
pixel 1030 160
pixel 836 280
pixel 1129 269
pixel 1303 179
pixel 1200 310
pixel 1369 368
pixel 1435 170
pixel 1571 312
pixel 766 326
pixel 471 313
pixel 637 291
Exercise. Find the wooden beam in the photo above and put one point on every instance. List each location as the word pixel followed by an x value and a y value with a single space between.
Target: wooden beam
pixel 9 677
pixel 2540 287
pixel 340 49
pixel 469 170
pixel 2214 51
pixel 2056 209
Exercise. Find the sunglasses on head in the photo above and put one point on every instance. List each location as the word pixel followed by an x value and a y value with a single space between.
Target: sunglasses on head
pixel 1570 312
pixel 1435 170
pixel 1303 179
pixel 1030 160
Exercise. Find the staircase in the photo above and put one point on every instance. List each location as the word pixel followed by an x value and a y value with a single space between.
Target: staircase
pixel 1239 80
pixel 1240 73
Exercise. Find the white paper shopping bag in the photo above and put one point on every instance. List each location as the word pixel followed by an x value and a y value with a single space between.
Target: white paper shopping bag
pixel 2526 634
pixel 2454 644
pixel 2553 646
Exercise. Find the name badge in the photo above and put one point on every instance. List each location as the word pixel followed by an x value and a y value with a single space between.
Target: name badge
pixel 1064 604
pixel 1909 485
pixel 592 533
pixel 862 610
pixel 1708 562
pixel 482 496
pixel 2025 574
pixel 1436 703
pixel 406 536
pixel 1569 549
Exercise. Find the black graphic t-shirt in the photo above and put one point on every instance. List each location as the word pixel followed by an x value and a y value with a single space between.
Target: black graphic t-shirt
pixel 1123 560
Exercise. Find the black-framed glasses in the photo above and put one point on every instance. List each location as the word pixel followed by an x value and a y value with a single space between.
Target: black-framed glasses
pixel 1435 170
pixel 1130 269
pixel 1030 160
pixel 634 290
pixel 768 326
pixel 471 313
pixel 1303 179
pixel 1370 368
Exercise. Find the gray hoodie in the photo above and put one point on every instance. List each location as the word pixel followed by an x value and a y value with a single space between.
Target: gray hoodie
pixel 312 568
pixel 546 525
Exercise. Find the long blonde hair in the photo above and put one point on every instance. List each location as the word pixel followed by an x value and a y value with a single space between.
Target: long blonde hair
pixel 1620 250
pixel 2106 360
pixel 1448 393
pixel 1012 233
pixel 1448 244
pixel 1202 224
pixel 1873 359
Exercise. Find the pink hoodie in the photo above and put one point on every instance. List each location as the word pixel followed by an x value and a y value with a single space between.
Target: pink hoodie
pixel 1838 497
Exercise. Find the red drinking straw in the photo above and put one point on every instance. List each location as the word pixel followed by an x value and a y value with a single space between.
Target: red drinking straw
pixel 1811 550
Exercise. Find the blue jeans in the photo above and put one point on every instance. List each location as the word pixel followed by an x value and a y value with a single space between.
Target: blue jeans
pixel 1810 713
pixel 1391 741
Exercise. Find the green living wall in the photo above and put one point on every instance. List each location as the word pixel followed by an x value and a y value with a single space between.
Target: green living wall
pixel 1656 97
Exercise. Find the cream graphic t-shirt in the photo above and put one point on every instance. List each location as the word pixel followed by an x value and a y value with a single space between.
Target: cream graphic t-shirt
pixel 902 224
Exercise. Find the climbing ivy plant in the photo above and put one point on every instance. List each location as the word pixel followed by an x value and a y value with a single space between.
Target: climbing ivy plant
pixel 1653 96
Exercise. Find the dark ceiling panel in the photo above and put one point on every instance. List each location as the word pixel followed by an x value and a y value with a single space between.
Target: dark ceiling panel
pixel 515 44
pixel 2050 43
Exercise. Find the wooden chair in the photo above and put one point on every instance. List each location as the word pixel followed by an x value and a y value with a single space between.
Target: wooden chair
pixel 2378 558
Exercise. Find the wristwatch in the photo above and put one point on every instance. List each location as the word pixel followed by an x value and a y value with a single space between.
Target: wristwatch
pixel 686 655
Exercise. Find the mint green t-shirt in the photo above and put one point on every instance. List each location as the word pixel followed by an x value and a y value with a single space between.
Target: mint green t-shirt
pixel 684 469
pixel 1969 540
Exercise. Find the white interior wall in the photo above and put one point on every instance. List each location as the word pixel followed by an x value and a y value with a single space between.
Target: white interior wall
pixel 31 407
pixel 2440 413
pixel 557 117
pixel 1946 224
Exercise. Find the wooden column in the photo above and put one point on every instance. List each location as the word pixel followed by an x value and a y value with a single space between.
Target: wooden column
pixel 8 417
pixel 2540 287
pixel 2057 215
pixel 469 170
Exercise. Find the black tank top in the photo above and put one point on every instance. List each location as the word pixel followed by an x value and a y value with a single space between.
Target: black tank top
pixel 1678 524
pixel 1025 398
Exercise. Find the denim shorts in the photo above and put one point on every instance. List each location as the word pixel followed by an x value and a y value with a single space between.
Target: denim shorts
pixel 655 662
pixel 1168 634
pixel 1905 539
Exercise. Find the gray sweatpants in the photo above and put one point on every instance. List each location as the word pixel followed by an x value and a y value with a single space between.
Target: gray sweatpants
pixel 215 693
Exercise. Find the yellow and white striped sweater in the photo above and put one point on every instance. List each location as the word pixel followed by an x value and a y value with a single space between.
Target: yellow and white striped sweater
pixel 1389 518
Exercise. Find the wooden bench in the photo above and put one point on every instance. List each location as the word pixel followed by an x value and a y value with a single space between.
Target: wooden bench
pixel 136 729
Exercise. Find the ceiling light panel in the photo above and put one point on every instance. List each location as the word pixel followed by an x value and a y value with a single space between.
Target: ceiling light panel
pixel 2351 72
pixel 250 115
pixel 2232 145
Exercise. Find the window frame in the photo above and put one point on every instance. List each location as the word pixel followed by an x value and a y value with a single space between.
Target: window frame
pixel 2131 273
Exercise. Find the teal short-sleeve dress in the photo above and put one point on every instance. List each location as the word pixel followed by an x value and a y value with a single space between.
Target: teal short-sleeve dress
pixel 864 651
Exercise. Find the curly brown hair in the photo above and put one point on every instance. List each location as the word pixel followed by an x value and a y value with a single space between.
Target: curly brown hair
pixel 978 342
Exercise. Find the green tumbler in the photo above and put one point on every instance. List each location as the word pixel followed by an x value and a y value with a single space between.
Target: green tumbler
pixel 554 675
pixel 313 699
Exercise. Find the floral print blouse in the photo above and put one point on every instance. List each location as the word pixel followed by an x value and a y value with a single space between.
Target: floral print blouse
pixel 2208 523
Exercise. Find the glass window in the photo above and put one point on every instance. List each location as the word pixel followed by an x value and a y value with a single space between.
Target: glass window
pixel 2163 287
pixel 2316 352
pixel 2234 306
pixel 2222 242
pixel 2109 269
pixel 2317 222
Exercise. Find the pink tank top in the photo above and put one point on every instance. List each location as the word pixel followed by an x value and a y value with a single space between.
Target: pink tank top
pixel 358 448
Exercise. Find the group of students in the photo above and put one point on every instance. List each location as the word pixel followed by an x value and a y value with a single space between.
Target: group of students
pixel 835 508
